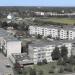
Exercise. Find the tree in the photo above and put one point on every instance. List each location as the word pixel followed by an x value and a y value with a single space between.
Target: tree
pixel 64 51
pixel 56 54
pixel 39 36
pixel 17 68
pixel 72 60
pixel 4 24
pixel 44 61
pixel 49 36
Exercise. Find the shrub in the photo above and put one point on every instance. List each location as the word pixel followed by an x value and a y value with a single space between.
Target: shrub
pixel 61 70
pixel 63 63
pixel 51 71
pixel 59 62
pixel 53 66
pixel 44 61
pixel 74 68
pixel 39 63
pixel 72 60
pixel 68 68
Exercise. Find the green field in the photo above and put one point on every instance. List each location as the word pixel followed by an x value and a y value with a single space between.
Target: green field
pixel 46 68
pixel 60 20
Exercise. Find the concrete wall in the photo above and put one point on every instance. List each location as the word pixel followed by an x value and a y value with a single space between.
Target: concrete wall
pixel 13 47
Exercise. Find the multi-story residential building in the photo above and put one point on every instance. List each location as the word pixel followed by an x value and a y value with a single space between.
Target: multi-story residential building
pixel 71 34
pixel 34 30
pixel 63 34
pixel 43 30
pixel 50 30
pixel 54 32
pixel 41 50
pixel 8 43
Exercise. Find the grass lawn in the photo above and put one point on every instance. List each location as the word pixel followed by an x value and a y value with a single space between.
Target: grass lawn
pixel 60 20
pixel 50 66
pixel 46 67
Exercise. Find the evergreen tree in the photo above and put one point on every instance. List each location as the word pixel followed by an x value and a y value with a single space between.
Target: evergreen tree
pixel 64 51
pixel 56 54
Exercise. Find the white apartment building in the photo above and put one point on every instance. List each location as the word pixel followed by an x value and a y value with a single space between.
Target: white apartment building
pixel 42 50
pixel 43 30
pixel 67 33
pixel 62 33
pixel 71 34
pixel 49 30
pixel 8 43
pixel 34 30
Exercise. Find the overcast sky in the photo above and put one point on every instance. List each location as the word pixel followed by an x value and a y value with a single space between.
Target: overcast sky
pixel 37 2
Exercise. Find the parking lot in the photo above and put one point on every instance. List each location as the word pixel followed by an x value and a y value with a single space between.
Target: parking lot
pixel 5 66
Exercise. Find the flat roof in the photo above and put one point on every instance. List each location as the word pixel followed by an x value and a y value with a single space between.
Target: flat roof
pixel 58 27
pixel 22 58
pixel 43 43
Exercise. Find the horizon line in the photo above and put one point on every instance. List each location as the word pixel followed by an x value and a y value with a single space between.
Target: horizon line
pixel 31 6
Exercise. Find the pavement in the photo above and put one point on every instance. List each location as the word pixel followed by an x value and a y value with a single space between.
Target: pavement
pixel 3 69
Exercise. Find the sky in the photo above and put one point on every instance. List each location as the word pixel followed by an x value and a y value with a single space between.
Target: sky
pixel 37 2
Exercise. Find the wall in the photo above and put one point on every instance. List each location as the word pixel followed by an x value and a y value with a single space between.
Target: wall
pixel 13 47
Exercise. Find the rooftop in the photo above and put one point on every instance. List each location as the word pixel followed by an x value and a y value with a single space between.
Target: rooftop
pixel 43 43
pixel 65 27
pixel 22 58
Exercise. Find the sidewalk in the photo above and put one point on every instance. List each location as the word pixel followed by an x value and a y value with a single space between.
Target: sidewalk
pixel 3 69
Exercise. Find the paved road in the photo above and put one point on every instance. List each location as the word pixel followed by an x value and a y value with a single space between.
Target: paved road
pixel 3 69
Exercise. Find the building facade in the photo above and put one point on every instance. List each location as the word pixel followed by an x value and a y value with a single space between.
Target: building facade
pixel 54 32
pixel 39 52
pixel 8 43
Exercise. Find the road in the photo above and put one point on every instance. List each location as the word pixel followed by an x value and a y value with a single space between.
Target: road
pixel 3 69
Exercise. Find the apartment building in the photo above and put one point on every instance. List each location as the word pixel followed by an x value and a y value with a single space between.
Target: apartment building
pixel 71 34
pixel 53 14
pixel 50 30
pixel 43 30
pixel 41 50
pixel 8 43
pixel 34 30
pixel 61 32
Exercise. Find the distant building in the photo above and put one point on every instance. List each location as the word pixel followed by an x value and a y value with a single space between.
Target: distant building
pixel 10 16
pixel 39 13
